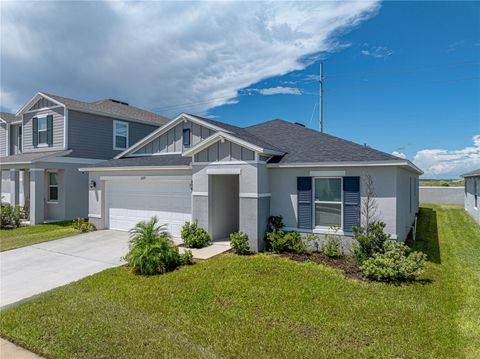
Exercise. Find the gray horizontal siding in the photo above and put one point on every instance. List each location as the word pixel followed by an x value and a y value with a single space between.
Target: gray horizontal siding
pixel 226 151
pixel 58 124
pixel 3 139
pixel 91 136
pixel 171 141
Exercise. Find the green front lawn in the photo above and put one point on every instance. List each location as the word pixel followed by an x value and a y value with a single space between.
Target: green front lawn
pixel 267 306
pixel 27 235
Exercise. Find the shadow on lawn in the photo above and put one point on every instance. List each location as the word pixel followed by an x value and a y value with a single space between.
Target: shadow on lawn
pixel 427 235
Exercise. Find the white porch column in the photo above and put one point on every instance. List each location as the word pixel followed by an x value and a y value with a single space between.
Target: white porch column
pixel 37 189
pixel 14 187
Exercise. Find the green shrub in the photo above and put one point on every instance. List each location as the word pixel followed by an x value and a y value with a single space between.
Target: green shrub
pixel 186 258
pixel 278 241
pixel 396 263
pixel 332 245
pixel 151 250
pixel 10 216
pixel 239 243
pixel 194 236
pixel 445 184
pixel 274 223
pixel 83 225
pixel 370 240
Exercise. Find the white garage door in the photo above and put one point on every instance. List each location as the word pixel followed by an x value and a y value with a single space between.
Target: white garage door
pixel 132 201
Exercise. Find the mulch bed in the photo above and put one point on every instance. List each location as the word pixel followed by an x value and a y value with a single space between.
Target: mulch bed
pixel 344 263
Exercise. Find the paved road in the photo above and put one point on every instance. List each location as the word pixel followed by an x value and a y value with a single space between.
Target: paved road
pixel 31 270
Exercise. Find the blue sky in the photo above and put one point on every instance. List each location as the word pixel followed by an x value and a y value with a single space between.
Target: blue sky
pixel 402 77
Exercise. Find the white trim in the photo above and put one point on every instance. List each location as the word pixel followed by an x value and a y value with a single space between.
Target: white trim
pixel 36 169
pixel 318 230
pixel 73 160
pixel 346 164
pixel 8 140
pixel 44 109
pixel 182 179
pixel 35 98
pixel 204 194
pixel 169 125
pixel 51 202
pixel 133 168
pixel 254 195
pixel 223 163
pixel 91 215
pixel 223 171
pixel 443 187
pixel 327 173
pixel 115 122
pixel 152 154
pixel 65 127
pixel 220 136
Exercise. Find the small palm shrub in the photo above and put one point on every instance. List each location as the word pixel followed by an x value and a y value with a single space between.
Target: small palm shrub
pixel 194 236
pixel 396 263
pixel 10 216
pixel 239 243
pixel 279 242
pixel 152 251
pixel 83 225
pixel 332 245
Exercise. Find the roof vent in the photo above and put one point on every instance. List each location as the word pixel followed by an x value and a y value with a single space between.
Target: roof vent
pixel 118 101
pixel 299 124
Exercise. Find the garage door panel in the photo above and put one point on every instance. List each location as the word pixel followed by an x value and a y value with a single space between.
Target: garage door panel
pixel 130 202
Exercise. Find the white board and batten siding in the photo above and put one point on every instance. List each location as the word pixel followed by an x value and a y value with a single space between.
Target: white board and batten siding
pixel 131 201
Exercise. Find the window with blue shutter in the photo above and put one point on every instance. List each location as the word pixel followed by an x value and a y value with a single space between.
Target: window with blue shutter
pixel 351 203
pixel 35 131
pixel 50 130
pixel 304 202
pixel 186 137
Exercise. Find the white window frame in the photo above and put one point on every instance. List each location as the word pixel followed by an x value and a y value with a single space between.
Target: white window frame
pixel 115 123
pixel 55 201
pixel 42 144
pixel 314 202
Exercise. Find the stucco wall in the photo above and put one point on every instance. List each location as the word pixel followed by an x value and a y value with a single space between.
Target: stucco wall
pixel 470 197
pixel 224 205
pixel 442 195
pixel 283 189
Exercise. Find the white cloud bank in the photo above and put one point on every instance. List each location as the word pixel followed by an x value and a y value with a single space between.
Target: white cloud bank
pixel 399 154
pixel 379 52
pixel 440 163
pixel 279 90
pixel 161 54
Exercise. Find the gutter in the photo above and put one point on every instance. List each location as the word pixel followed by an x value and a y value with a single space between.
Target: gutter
pixel 134 168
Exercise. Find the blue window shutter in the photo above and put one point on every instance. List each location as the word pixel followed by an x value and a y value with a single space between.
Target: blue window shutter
pixel 351 202
pixel 186 137
pixel 35 132
pixel 50 129
pixel 304 202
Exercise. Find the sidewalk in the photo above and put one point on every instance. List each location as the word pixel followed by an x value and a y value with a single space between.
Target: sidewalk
pixel 11 351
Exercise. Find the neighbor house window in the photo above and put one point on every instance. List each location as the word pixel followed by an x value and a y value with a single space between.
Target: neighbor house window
pixel 42 131
pixel 186 137
pixel 19 138
pixel 53 186
pixel 120 135
pixel 475 197
pixel 328 202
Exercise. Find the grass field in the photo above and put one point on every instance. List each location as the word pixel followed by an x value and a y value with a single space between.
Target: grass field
pixel 446 183
pixel 268 306
pixel 27 235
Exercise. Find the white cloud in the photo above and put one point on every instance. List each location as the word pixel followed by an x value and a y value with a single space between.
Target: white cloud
pixel 440 163
pixel 399 154
pixel 160 54
pixel 279 90
pixel 379 52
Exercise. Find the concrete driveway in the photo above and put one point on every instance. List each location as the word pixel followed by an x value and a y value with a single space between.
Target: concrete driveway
pixel 38 268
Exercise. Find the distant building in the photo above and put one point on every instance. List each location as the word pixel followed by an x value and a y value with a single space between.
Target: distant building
pixel 472 188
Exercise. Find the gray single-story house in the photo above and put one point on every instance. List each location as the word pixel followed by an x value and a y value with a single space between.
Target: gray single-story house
pixel 231 179
pixel 472 189
pixel 50 137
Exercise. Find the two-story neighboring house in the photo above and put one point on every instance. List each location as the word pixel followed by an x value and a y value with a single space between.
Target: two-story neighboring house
pixel 48 139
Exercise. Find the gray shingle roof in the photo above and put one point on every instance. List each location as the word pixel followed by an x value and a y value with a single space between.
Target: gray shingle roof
pixel 472 173
pixel 110 107
pixel 303 145
pixel 161 160
pixel 32 156
pixel 9 117
pixel 243 134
